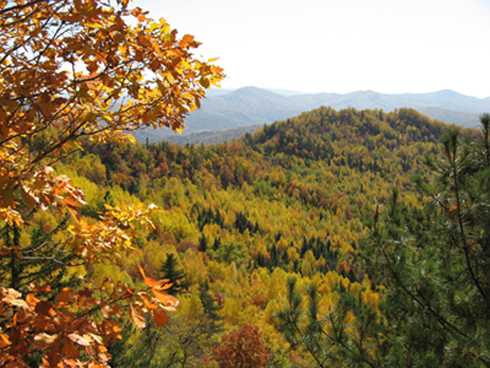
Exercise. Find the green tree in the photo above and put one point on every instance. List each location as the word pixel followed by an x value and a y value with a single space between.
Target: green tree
pixel 211 308
pixel 339 337
pixel 434 262
pixel 171 271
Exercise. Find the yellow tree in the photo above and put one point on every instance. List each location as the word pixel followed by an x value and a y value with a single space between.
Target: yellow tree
pixel 74 71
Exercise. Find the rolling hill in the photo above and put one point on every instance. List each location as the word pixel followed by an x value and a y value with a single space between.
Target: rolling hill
pixel 300 198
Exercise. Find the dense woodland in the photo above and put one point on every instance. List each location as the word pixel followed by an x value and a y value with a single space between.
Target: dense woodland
pixel 333 239
pixel 292 234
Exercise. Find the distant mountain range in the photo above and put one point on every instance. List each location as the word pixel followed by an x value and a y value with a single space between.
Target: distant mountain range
pixel 250 106
pixel 212 137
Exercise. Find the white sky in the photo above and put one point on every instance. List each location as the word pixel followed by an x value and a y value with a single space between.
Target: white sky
pixel 389 46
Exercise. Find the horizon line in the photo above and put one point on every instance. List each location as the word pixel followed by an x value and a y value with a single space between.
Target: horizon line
pixel 293 92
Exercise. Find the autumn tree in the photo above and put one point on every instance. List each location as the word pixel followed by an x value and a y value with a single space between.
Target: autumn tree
pixel 73 72
pixel 243 348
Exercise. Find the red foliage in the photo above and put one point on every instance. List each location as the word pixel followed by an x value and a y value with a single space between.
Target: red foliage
pixel 243 348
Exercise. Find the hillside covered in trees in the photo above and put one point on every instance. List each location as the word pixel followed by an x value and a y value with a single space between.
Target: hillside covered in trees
pixel 252 232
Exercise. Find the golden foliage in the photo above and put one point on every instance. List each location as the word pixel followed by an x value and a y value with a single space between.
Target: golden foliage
pixel 70 71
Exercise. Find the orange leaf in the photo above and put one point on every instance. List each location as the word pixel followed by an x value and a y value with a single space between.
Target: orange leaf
pixel 170 302
pixel 148 304
pixel 186 41
pixel 32 300
pixel 5 341
pixel 154 284
pixel 165 284
pixel 136 11
pixel 148 280
pixel 160 317
pixel 71 202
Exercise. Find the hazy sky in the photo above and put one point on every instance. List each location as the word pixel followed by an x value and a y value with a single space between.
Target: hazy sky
pixel 341 45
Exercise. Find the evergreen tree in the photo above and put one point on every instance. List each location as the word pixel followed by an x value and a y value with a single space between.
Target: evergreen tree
pixel 36 269
pixel 211 308
pixel 171 272
pixel 434 262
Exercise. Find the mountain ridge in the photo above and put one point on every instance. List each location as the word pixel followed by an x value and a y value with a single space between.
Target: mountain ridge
pixel 249 106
